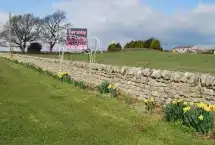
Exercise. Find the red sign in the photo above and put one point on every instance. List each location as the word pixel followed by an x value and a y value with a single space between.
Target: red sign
pixel 76 38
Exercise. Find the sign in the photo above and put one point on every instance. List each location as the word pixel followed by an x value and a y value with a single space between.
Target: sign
pixel 76 38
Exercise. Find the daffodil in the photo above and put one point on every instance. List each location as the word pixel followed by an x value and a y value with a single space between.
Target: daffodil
pixel 207 108
pixel 204 106
pixel 60 75
pixel 191 103
pixel 174 102
pixel 213 107
pixel 152 100
pixel 111 86
pixel 201 105
pixel 145 100
pixel 179 100
pixel 185 103
pixel 201 117
pixel 186 109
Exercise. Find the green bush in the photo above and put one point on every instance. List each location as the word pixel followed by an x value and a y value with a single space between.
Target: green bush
pixel 34 48
pixel 103 87
pixel 114 47
pixel 148 42
pixel 155 44
pixel 135 44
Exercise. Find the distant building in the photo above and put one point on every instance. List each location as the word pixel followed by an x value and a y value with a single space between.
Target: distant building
pixel 193 48
pixel 182 49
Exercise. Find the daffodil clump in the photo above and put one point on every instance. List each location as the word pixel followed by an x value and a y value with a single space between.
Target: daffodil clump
pixel 64 76
pixel 174 110
pixel 150 103
pixel 103 87
pixel 199 116
pixel 112 90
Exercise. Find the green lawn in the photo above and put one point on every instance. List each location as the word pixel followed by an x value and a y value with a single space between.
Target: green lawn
pixel 36 109
pixel 153 59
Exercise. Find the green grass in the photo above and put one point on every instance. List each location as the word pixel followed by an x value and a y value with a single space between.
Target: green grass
pixel 36 109
pixel 153 59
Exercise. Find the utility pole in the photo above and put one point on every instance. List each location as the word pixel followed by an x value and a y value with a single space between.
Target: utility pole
pixel 10 35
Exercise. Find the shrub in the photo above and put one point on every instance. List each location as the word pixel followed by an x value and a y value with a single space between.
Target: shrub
pixel 103 87
pixel 135 44
pixel 148 42
pixel 155 44
pixel 150 104
pixel 34 48
pixel 114 47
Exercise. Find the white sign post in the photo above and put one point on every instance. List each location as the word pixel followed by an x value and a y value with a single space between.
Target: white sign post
pixel 77 40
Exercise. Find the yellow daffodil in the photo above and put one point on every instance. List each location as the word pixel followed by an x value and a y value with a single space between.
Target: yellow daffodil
pixel 201 105
pixel 179 100
pixel 204 106
pixel 186 109
pixel 174 102
pixel 111 86
pixel 61 74
pixel 191 103
pixel 145 100
pixel 213 107
pixel 207 108
pixel 152 100
pixel 185 103
pixel 201 117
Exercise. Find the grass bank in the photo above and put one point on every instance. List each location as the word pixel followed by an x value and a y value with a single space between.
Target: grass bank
pixel 36 109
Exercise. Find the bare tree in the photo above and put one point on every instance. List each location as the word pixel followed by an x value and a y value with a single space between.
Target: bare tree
pixel 54 28
pixel 24 28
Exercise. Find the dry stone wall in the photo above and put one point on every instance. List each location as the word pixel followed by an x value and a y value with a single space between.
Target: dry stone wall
pixel 140 83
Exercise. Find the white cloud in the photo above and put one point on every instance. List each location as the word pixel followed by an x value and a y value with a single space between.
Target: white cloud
pixel 123 20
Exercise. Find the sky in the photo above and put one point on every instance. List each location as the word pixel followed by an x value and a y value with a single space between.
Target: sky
pixel 174 22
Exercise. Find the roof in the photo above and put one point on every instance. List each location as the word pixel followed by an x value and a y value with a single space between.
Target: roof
pixel 196 47
pixel 187 46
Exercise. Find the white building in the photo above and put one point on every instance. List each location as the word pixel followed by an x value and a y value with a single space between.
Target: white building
pixel 193 48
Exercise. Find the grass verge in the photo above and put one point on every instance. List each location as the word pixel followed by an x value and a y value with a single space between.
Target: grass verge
pixel 36 109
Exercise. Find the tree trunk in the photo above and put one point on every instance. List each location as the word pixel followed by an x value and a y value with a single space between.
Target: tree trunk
pixel 51 47
pixel 21 48
pixel 24 45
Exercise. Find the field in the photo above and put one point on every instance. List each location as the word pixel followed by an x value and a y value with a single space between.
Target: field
pixel 152 59
pixel 36 109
